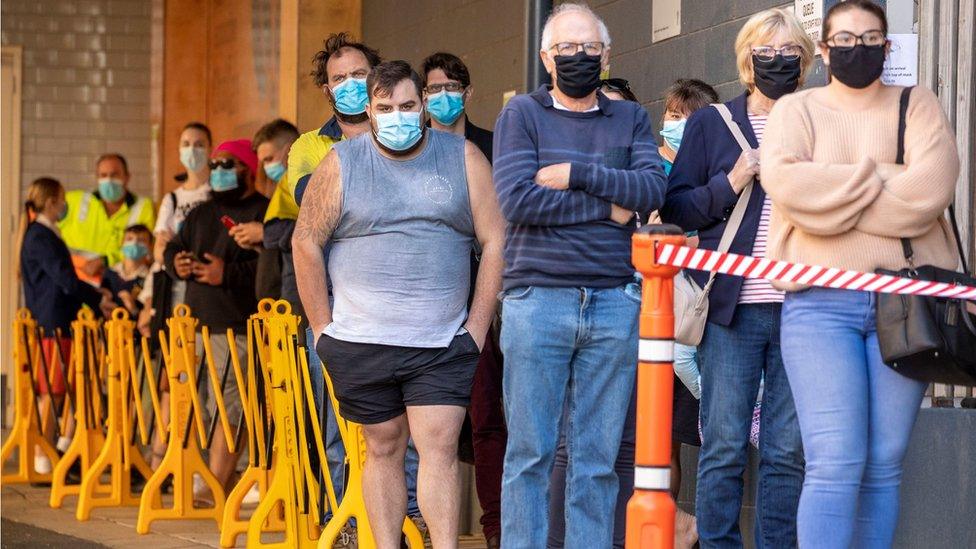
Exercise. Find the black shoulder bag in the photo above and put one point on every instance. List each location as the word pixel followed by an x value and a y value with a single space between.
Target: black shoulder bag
pixel 927 338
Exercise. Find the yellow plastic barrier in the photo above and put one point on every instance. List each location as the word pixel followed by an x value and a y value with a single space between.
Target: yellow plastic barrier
pixel 88 438
pixel 255 418
pixel 119 452
pixel 186 435
pixel 27 431
pixel 286 493
pixel 353 505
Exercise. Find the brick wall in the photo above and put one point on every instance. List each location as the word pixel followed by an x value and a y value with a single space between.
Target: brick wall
pixel 486 34
pixel 489 36
pixel 86 86
pixel 703 50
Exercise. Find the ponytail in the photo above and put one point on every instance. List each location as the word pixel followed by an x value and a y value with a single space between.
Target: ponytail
pixel 39 192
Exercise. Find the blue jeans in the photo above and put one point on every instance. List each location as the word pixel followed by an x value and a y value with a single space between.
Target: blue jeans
pixel 856 417
pixel 733 360
pixel 335 452
pixel 625 482
pixel 572 347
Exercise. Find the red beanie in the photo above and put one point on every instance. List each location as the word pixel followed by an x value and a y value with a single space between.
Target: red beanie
pixel 241 149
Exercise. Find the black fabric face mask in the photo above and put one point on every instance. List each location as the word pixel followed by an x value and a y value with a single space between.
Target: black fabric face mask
pixel 577 75
pixel 233 195
pixel 857 67
pixel 776 77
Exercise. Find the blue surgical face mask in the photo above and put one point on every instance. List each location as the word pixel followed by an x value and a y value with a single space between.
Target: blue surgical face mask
pixel 350 96
pixel 672 132
pixel 110 189
pixel 445 106
pixel 398 130
pixel 64 213
pixel 134 250
pixel 274 170
pixel 193 158
pixel 223 179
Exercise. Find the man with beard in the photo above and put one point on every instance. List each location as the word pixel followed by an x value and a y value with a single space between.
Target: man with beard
pixel 220 275
pixel 402 208
pixel 340 71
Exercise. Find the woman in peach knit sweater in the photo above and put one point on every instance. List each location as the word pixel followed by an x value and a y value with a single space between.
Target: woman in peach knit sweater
pixel 839 200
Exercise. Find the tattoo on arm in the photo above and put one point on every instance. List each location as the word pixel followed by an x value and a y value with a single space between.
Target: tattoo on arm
pixel 322 203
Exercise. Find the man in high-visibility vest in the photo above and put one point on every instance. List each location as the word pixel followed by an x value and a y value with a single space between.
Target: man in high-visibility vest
pixel 340 71
pixel 96 220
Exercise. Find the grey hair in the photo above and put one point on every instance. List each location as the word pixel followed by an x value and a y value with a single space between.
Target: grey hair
pixel 572 7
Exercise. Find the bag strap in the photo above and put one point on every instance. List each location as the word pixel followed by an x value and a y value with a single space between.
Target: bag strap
pixel 906 244
pixel 739 212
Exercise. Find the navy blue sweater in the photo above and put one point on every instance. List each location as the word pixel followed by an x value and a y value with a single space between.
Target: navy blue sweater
pixel 700 197
pixel 52 290
pixel 566 238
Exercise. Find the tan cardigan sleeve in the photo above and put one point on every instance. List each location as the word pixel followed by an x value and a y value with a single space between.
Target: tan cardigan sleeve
pixel 915 195
pixel 819 198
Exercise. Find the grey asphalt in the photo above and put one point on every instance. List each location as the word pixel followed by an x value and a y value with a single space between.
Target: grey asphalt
pixel 16 535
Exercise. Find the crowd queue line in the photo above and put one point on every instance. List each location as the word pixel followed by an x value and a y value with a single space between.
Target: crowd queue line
pixel 450 248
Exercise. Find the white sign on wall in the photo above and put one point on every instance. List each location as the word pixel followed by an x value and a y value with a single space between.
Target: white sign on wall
pixel 665 19
pixel 901 66
pixel 810 13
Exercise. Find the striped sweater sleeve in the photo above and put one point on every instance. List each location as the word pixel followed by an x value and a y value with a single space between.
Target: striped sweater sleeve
pixel 640 187
pixel 522 201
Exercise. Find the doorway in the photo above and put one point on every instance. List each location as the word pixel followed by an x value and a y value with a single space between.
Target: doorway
pixel 10 81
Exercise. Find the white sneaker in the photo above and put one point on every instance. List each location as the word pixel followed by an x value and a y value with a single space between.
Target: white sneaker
pixel 42 465
pixel 252 496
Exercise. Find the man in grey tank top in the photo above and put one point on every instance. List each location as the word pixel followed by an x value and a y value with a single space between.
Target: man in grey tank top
pixel 401 209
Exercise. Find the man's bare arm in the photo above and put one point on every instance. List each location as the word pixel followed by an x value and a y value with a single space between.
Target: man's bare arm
pixel 489 228
pixel 317 219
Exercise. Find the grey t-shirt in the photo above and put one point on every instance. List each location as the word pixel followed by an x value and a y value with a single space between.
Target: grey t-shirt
pixel 400 256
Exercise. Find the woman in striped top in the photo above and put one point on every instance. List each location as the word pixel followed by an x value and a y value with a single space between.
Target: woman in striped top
pixel 741 346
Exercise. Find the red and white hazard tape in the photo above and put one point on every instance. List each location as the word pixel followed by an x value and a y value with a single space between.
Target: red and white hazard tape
pixel 807 275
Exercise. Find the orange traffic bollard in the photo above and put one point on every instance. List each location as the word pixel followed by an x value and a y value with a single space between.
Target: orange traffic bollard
pixel 650 512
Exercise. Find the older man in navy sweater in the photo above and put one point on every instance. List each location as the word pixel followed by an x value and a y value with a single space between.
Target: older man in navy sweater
pixel 571 168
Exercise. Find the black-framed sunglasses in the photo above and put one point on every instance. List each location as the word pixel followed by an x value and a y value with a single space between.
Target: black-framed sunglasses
pixel 616 84
pixel 226 163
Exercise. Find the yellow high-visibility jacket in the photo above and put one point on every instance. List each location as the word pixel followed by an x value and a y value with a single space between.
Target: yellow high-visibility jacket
pixel 89 231
pixel 282 205
pixel 306 153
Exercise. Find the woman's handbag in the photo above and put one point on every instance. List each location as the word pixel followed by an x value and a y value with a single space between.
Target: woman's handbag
pixel 927 338
pixel 690 300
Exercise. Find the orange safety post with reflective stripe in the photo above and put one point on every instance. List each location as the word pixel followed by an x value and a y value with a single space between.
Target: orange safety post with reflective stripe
pixel 651 510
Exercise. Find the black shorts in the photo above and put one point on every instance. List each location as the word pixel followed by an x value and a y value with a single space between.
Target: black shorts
pixel 375 383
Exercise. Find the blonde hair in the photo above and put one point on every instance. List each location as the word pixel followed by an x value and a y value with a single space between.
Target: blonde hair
pixel 38 194
pixel 763 26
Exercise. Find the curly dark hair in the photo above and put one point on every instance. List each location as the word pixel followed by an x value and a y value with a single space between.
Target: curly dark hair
pixel 334 45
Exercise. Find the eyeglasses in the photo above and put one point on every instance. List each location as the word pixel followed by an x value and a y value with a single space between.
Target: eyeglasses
pixel 616 84
pixel 845 40
pixel 227 163
pixel 767 53
pixel 570 48
pixel 449 86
